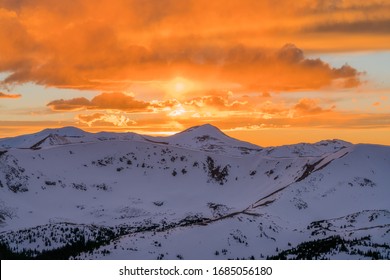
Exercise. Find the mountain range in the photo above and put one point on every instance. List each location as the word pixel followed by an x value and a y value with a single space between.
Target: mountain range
pixel 199 194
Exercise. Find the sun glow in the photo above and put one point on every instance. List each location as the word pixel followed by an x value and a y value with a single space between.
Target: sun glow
pixel 177 111
pixel 180 86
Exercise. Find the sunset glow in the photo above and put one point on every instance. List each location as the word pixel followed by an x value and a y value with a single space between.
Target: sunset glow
pixel 271 74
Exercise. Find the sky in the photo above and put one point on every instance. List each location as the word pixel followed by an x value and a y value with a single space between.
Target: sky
pixel 268 72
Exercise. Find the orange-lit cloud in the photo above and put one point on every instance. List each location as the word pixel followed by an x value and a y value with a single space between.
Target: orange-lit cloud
pixel 222 108
pixel 211 101
pixel 218 100
pixel 112 100
pixel 108 45
pixel 102 119
pixel 9 95
pixel 307 107
pixel 304 113
pixel 75 104
pixel 90 119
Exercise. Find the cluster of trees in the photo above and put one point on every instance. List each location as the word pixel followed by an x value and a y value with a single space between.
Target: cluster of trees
pixel 216 172
pixel 323 248
pixel 62 253
pixel 74 242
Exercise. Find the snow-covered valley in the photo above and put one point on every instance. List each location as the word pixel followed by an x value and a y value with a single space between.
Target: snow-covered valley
pixel 199 194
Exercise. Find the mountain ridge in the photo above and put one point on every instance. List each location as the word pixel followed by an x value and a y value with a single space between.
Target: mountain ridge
pixel 127 197
pixel 200 133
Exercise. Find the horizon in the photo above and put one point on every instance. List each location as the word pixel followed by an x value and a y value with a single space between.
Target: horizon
pixel 299 73
pixel 159 134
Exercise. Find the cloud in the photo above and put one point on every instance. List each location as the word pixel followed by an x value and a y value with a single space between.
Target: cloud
pixel 356 27
pixel 164 105
pixel 108 45
pixel 326 120
pixel 286 68
pixel 9 95
pixel 104 101
pixel 100 119
pixel 74 104
pixel 118 101
pixel 307 107
pixel 225 111
pixel 115 109
pixel 90 119
pixel 217 100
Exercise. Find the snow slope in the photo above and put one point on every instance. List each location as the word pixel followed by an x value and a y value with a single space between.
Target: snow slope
pixel 62 136
pixel 210 139
pixel 67 193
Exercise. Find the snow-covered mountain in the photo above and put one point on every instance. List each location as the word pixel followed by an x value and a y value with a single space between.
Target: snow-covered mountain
pixel 210 139
pixel 62 136
pixel 199 194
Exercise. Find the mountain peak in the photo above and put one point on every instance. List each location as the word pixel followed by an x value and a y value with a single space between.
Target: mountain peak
pixel 205 129
pixel 211 139
pixel 69 131
pixel 51 136
pixel 337 142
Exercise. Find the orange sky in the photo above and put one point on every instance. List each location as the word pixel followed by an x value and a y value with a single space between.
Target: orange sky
pixel 264 72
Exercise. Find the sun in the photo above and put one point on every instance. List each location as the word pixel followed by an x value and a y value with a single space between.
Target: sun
pixel 179 86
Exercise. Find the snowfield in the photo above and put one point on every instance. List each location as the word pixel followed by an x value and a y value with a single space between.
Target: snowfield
pixel 199 194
